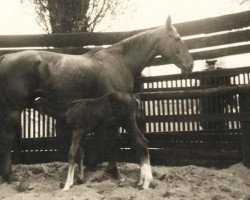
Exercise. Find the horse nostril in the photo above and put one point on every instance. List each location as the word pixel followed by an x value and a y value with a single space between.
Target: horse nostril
pixel 191 66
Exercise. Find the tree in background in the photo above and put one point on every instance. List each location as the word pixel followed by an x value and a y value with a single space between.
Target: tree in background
pixel 71 16
pixel 243 2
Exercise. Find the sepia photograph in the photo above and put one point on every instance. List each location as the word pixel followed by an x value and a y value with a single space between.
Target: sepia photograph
pixel 124 100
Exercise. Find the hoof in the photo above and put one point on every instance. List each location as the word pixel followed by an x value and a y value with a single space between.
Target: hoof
pixel 142 187
pixel 114 173
pixel 140 183
pixel 80 180
pixel 146 176
pixel 24 186
pixel 61 185
pixel 145 184
pixel 66 187
pixel 123 183
pixel 14 179
pixel 8 178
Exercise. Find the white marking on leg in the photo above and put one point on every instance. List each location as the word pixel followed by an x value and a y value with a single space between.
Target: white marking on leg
pixel 80 166
pixel 70 178
pixel 146 175
pixel 81 174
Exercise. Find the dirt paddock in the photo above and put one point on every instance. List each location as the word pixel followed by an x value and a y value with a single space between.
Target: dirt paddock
pixel 189 182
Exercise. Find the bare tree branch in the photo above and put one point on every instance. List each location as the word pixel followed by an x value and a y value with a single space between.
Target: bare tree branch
pixel 98 15
pixel 74 15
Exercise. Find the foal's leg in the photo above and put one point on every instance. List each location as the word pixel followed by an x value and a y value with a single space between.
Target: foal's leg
pixel 80 164
pixel 9 127
pixel 64 135
pixel 113 148
pixel 75 145
pixel 141 143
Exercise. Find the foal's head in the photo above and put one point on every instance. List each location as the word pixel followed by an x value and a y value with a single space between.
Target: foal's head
pixel 172 48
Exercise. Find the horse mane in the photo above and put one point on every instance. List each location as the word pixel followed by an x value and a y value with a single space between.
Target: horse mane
pixel 128 43
pixel 93 51
pixel 134 41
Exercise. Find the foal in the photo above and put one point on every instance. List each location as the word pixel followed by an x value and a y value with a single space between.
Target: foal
pixel 106 113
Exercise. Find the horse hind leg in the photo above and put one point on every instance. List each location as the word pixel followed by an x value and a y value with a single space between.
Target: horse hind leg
pixel 12 102
pixel 10 124
pixel 146 176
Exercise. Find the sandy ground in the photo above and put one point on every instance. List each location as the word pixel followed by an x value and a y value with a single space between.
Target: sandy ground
pixel 188 182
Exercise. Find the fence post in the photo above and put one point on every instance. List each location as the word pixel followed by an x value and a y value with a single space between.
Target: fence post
pixel 245 125
pixel 222 101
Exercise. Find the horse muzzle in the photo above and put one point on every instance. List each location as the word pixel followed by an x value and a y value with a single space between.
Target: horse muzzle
pixel 187 70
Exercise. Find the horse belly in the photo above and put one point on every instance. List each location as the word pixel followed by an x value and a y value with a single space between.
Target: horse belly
pixel 75 86
pixel 116 79
pixel 69 77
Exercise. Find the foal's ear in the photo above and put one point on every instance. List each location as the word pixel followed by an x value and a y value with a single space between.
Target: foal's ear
pixel 168 23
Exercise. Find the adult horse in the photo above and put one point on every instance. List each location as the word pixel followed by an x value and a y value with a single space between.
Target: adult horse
pixel 60 78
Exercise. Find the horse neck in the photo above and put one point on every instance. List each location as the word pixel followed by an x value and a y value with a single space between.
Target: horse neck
pixel 138 50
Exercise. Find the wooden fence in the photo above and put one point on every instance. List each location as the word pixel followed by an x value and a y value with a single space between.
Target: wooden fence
pixel 207 118
pixel 187 119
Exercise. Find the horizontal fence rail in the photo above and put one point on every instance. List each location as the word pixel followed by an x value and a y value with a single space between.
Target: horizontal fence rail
pixel 196 80
pixel 204 26
pixel 77 42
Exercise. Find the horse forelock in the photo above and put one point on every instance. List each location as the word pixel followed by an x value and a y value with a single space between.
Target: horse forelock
pixel 175 32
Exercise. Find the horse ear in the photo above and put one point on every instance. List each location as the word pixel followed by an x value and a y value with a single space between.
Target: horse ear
pixel 168 23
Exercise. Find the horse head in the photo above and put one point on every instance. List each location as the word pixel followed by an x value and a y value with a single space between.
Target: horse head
pixel 172 48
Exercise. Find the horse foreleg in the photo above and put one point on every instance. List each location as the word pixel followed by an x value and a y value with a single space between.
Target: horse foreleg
pixel 9 127
pixel 141 143
pixel 75 145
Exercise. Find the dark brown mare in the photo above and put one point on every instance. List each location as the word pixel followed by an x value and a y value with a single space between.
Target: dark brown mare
pixel 61 78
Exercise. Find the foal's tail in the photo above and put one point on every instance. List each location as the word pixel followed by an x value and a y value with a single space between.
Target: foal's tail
pixel 1 58
pixel 139 108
